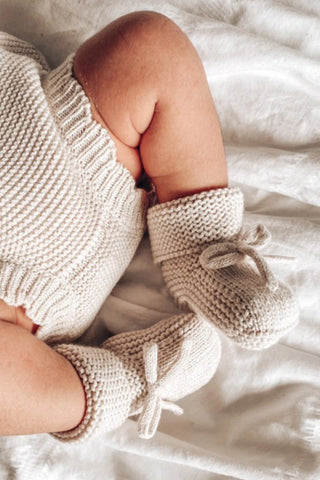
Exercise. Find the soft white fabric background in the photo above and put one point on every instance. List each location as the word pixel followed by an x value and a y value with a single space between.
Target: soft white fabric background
pixel 259 418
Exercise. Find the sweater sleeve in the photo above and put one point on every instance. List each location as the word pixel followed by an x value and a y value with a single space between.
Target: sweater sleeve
pixel 12 44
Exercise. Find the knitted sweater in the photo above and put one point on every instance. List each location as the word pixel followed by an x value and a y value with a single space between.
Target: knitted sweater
pixel 71 216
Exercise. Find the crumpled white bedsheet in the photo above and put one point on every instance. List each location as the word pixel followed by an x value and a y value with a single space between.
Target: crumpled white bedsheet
pixel 259 417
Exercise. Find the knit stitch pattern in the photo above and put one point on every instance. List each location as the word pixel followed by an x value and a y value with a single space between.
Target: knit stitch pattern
pixel 141 372
pixel 203 253
pixel 71 216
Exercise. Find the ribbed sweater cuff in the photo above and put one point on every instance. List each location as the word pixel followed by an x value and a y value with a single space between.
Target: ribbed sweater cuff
pixel 46 299
pixel 93 148
pixel 187 224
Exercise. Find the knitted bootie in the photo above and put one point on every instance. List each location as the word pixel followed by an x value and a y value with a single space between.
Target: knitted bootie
pixel 204 257
pixel 142 372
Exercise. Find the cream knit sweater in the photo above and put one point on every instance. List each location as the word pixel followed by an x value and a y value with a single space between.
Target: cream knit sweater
pixel 71 216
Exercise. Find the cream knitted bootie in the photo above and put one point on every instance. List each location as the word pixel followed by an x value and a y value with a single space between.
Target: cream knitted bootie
pixel 203 253
pixel 142 372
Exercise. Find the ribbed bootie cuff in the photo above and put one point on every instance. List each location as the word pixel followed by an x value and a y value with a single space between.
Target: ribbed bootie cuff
pixel 107 390
pixel 183 225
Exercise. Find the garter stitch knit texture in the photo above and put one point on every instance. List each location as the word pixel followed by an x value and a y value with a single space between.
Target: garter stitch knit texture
pixel 204 256
pixel 142 372
pixel 71 216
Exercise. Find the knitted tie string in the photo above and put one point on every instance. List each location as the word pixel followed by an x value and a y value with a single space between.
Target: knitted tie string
pixel 154 403
pixel 225 254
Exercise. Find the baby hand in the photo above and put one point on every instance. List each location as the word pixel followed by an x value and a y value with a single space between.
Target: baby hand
pixel 17 316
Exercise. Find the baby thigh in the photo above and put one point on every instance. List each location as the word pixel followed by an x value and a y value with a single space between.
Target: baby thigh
pixel 147 86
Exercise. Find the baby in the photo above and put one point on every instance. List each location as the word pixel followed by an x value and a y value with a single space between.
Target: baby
pixel 76 144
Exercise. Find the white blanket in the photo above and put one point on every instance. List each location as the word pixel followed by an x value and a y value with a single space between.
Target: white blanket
pixel 259 417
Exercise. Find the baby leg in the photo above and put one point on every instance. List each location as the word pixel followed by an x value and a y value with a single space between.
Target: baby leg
pixel 149 88
pixel 40 390
pixel 147 85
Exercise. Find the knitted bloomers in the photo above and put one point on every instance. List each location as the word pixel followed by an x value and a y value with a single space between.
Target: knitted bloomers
pixel 204 255
pixel 142 372
pixel 71 217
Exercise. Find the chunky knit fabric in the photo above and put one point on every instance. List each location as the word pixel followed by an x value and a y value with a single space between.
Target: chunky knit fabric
pixel 71 216
pixel 142 373
pixel 204 255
